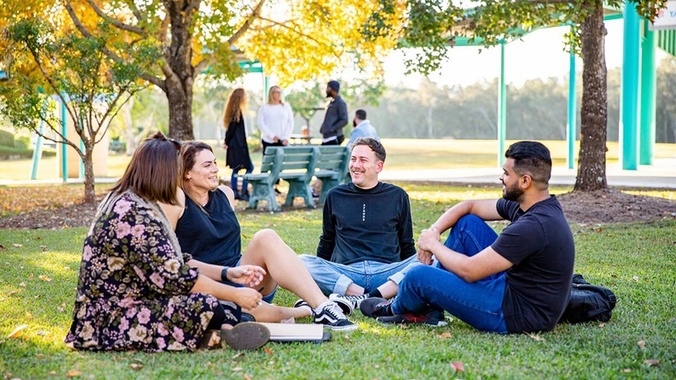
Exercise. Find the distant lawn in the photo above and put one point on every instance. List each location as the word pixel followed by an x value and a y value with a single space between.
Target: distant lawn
pixel 39 276
pixel 402 154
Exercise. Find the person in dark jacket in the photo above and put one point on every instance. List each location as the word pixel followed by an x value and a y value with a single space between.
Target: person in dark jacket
pixel 335 117
pixel 237 153
pixel 367 244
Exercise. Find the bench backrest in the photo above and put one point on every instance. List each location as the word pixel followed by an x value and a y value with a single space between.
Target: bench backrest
pixel 291 159
pixel 270 158
pixel 334 157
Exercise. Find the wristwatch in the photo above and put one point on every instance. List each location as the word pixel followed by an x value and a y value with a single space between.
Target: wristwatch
pixel 224 273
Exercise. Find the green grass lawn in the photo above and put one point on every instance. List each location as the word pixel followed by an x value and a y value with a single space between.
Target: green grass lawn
pixel 39 276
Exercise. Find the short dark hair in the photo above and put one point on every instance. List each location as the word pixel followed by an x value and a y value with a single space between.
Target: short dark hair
pixel 374 144
pixel 153 170
pixel 361 114
pixel 533 158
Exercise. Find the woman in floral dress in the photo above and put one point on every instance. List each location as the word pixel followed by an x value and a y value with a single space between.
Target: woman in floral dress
pixel 135 290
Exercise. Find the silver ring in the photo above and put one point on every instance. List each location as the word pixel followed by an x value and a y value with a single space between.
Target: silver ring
pixel 260 302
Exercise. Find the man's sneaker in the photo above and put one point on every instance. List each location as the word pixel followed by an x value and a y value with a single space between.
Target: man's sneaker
pixel 345 304
pixel 330 315
pixel 376 307
pixel 433 317
pixel 355 301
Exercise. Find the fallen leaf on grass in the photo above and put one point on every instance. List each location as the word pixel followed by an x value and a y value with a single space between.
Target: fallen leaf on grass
pixel 73 373
pixel 44 278
pixel 626 370
pixel 237 369
pixel 651 362
pixel 17 245
pixel 268 351
pixel 22 284
pixel 16 331
pixel 641 344
pixel 635 278
pixel 13 292
pixel 458 367
pixel 536 337
pixel 445 335
pixel 136 366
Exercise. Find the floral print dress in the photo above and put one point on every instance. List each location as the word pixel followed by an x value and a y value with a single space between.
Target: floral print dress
pixel 134 289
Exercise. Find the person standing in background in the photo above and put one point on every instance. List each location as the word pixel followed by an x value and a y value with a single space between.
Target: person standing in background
pixel 362 128
pixel 335 117
pixel 275 121
pixel 237 151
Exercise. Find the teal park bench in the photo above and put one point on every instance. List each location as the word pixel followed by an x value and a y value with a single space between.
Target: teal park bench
pixel 294 164
pixel 331 167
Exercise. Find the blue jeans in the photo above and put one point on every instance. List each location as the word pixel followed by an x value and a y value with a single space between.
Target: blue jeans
pixel 335 278
pixel 479 303
pixel 233 179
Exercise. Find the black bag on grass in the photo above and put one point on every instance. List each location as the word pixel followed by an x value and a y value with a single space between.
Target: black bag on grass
pixel 588 302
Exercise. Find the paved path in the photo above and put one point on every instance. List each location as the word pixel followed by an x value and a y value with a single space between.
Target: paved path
pixel 660 175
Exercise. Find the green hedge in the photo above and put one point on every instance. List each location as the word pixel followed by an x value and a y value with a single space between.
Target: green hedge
pixel 6 138
pixel 16 153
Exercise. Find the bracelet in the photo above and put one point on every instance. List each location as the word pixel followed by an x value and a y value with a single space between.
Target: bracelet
pixel 224 273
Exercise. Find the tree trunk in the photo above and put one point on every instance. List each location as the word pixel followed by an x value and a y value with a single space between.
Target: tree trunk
pixel 591 172
pixel 179 81
pixel 89 183
pixel 179 97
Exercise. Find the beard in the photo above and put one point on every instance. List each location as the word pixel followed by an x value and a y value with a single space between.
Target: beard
pixel 512 193
pixel 328 94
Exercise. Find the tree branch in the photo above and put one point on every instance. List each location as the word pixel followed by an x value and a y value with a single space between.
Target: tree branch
pixel 109 53
pixel 254 15
pixel 117 23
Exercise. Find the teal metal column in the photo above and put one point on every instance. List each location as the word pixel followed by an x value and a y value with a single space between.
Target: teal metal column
pixel 570 136
pixel 630 88
pixel 64 146
pixel 502 107
pixel 648 96
pixel 37 153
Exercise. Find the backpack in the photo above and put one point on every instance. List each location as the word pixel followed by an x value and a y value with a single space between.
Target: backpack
pixel 588 302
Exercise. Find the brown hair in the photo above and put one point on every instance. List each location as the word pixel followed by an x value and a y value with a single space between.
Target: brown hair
pixel 153 170
pixel 189 150
pixel 374 144
pixel 235 105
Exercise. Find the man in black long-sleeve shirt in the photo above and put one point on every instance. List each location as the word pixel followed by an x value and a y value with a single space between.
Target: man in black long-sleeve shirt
pixel 367 243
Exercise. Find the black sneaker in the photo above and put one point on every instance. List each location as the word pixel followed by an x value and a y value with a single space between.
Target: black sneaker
pixel 301 303
pixel 355 301
pixel 433 317
pixel 343 301
pixel 332 317
pixel 376 307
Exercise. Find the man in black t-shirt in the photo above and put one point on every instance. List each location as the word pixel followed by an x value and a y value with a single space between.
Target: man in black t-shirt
pixel 516 282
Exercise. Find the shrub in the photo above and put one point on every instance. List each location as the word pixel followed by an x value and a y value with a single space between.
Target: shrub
pixel 6 138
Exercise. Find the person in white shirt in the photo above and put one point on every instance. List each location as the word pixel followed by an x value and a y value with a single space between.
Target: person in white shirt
pixel 275 120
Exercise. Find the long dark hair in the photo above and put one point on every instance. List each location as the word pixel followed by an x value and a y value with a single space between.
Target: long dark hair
pixel 153 170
